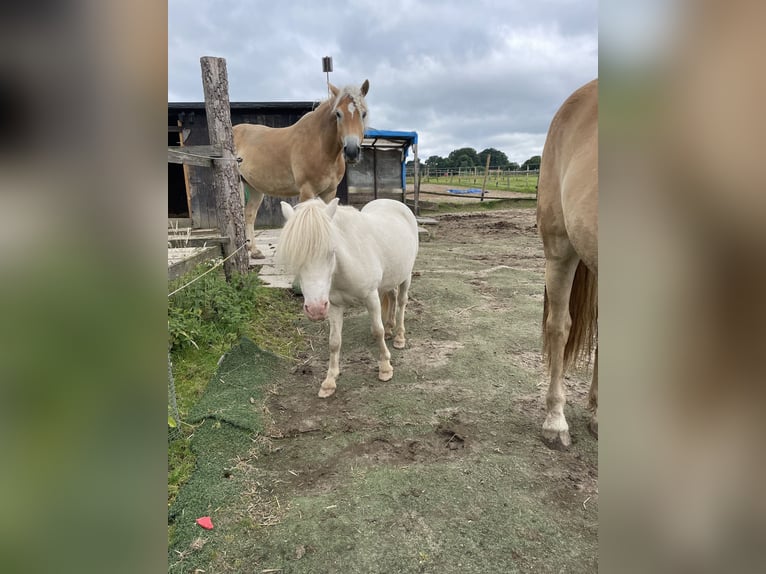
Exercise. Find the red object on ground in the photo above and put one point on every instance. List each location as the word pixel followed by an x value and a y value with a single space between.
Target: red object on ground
pixel 205 522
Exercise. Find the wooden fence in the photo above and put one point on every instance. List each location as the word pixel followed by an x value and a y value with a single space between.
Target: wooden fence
pixel 219 156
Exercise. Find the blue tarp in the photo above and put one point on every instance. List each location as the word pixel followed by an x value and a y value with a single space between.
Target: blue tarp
pixel 411 137
pixel 464 191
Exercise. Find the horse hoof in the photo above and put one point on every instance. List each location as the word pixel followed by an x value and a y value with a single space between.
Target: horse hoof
pixel 386 375
pixel 593 427
pixel 399 343
pixel 557 440
pixel 325 392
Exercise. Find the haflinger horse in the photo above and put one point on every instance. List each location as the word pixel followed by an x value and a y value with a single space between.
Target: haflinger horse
pixel 307 158
pixel 342 257
pixel 567 220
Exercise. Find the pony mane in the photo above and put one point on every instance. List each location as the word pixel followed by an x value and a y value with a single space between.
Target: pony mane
pixel 305 237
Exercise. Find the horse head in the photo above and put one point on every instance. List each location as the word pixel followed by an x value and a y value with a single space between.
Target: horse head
pixel 306 249
pixel 350 112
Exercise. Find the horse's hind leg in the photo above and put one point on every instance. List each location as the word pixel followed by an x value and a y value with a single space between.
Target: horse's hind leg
pixel 559 274
pixel 593 399
pixel 401 304
pixel 388 310
pixel 251 213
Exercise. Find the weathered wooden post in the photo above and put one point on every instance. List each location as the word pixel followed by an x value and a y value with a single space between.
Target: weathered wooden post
pixel 486 173
pixel 416 178
pixel 228 200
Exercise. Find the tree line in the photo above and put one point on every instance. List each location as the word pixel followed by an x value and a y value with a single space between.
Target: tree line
pixel 468 157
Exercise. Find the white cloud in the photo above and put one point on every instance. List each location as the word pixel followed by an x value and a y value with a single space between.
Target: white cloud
pixel 480 74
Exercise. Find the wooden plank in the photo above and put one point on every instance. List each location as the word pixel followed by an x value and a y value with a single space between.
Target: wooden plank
pixel 194 154
pixel 183 157
pixel 182 260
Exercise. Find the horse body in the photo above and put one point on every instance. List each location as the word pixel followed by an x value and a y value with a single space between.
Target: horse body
pixel 307 159
pixel 344 257
pixel 567 219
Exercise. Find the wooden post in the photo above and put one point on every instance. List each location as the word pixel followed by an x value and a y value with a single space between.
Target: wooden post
pixel 228 201
pixel 416 178
pixel 486 172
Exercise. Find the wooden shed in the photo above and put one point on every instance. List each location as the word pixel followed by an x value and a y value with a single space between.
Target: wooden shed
pixel 381 171
pixel 191 200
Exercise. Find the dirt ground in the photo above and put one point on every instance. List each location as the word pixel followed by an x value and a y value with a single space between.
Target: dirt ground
pixel 442 469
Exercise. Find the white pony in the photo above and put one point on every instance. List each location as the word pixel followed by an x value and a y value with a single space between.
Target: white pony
pixel 342 257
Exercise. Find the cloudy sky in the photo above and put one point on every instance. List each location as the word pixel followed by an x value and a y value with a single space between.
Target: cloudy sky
pixel 485 73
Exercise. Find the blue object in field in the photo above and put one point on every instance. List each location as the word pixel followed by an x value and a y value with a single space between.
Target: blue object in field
pixel 472 190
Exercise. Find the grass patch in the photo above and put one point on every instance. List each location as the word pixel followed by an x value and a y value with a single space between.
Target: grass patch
pixel 521 183
pixel 204 321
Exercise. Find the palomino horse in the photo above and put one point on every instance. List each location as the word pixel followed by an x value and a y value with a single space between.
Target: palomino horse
pixel 567 219
pixel 342 257
pixel 307 159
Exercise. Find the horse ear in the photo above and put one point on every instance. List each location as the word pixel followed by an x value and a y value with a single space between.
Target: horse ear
pixel 287 210
pixel 333 90
pixel 332 207
pixel 365 87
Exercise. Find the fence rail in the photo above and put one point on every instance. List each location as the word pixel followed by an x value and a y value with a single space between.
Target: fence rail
pixel 498 179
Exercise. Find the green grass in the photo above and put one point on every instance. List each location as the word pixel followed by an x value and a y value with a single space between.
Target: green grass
pixel 204 321
pixel 521 183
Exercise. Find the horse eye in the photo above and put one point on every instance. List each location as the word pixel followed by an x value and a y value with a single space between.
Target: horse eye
pixel 364 115
pixel 338 115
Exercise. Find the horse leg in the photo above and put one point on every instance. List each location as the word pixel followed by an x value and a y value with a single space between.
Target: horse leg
pixel 385 370
pixel 335 316
pixel 559 274
pixel 387 310
pixel 251 213
pixel 593 399
pixel 401 304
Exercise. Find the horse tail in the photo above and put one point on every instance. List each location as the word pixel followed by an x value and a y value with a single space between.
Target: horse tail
pixel 583 309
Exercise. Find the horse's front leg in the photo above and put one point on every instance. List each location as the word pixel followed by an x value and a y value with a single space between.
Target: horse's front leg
pixel 385 370
pixel 251 214
pixel 335 316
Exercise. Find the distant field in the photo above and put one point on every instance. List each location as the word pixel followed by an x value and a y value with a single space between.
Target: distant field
pixel 514 181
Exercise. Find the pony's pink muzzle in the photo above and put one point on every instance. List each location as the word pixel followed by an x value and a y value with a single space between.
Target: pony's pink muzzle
pixel 316 311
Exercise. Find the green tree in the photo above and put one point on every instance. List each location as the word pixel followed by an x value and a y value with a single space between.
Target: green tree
pixel 436 162
pixel 463 157
pixel 532 163
pixel 497 158
pixel 513 166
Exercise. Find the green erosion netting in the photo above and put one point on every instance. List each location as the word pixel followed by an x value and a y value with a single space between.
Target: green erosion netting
pixel 227 421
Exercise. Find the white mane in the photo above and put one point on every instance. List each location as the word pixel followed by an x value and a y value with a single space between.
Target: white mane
pixel 305 237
